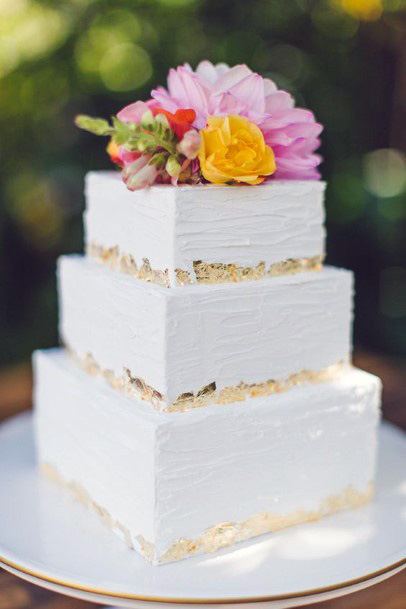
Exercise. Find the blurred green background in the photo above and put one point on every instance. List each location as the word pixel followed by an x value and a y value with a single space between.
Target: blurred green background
pixel 344 59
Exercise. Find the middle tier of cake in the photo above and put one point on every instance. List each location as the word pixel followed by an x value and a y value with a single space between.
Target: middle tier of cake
pixel 211 343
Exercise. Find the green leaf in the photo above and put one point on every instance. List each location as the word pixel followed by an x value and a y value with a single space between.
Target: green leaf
pixel 159 159
pixel 98 126
pixel 122 131
pixel 162 120
pixel 147 120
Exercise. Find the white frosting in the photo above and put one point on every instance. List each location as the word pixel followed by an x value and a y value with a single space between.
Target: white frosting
pixel 174 226
pixel 170 476
pixel 179 340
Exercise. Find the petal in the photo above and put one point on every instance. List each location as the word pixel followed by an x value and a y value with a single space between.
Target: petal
pixel 231 78
pixel 162 97
pixel 210 73
pixel 281 100
pixel 221 68
pixel 300 147
pixel 194 92
pixel 133 112
pixel 269 87
pixel 299 168
pixel 250 91
pixel 287 135
pixel 186 91
pixel 226 104
pixel 286 117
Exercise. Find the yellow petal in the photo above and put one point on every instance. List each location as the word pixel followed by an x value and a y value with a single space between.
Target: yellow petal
pixel 233 150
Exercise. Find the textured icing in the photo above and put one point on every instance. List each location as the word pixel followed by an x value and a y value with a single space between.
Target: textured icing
pixel 224 533
pixel 100 441
pixel 159 474
pixel 179 341
pixel 174 226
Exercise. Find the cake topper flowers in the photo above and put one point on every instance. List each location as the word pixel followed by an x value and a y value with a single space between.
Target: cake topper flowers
pixel 216 124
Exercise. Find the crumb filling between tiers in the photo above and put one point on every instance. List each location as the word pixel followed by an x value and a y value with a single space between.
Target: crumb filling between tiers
pixel 204 272
pixel 223 534
pixel 138 388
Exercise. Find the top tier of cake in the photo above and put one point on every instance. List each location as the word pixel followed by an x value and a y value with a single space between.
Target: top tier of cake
pixel 205 234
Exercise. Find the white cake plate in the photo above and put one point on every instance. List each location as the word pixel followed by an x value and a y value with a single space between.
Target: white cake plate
pixel 49 539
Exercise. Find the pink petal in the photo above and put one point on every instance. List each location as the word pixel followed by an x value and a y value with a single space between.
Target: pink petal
pixel 210 73
pixel 162 97
pixel 175 86
pixel 269 87
pixel 288 134
pixel 128 156
pixel 133 112
pixel 231 78
pixel 286 117
pixel 294 167
pixel 186 91
pixel 227 104
pixel 250 91
pixel 222 68
pixel 300 147
pixel 207 72
pixel 194 91
pixel 281 100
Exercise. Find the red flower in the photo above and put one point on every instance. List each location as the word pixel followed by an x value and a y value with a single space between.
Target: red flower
pixel 180 122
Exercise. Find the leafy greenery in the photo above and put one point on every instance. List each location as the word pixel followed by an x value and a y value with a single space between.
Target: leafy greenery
pixel 99 126
pixel 153 136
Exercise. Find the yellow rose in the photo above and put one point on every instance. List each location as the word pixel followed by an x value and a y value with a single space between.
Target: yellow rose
pixel 233 150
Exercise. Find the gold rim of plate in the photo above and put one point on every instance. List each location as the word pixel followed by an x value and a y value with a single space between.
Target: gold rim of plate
pixel 199 601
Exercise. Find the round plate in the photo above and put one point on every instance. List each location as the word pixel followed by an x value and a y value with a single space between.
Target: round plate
pixel 50 539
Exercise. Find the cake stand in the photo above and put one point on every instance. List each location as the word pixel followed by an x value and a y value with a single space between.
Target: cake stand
pixel 52 541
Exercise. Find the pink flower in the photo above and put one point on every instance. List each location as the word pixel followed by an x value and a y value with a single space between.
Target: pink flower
pixel 133 113
pixel 190 144
pixel 220 90
pixel 139 173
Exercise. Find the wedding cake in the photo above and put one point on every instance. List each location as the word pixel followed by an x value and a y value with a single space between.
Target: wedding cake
pixel 204 394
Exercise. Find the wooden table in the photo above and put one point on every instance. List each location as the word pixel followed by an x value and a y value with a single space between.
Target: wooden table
pixel 15 396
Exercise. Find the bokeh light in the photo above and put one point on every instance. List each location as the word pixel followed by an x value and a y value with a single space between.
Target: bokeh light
pixel 385 172
pixel 109 54
pixel 34 206
pixel 367 10
pixel 125 67
pixel 28 30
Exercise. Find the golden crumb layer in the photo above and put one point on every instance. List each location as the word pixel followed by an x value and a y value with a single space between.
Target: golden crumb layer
pixel 134 386
pixel 204 272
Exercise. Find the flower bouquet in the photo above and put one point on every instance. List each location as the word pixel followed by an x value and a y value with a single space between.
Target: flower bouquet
pixel 217 125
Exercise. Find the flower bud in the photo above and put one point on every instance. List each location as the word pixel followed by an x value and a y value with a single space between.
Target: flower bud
pixel 161 118
pixel 147 119
pixel 140 173
pixel 189 146
pixel 173 167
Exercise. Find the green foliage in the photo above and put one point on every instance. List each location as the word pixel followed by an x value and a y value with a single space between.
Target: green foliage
pixel 99 126
pixel 152 136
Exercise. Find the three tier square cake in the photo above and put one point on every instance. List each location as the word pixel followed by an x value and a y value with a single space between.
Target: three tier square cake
pixel 204 393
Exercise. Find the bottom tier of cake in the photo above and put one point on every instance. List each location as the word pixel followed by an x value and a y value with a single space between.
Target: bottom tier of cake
pixel 173 485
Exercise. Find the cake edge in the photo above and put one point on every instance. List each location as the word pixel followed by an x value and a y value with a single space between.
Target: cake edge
pixel 135 387
pixel 221 535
